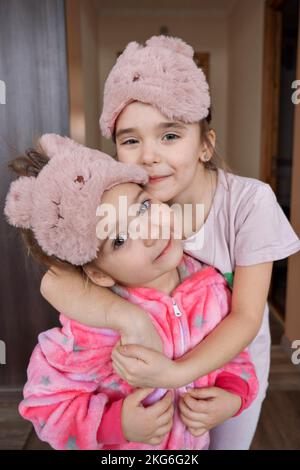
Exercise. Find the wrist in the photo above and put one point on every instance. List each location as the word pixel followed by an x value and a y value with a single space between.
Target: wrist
pixel 184 372
pixel 239 405
pixel 236 386
pixel 235 405
pixel 180 374
pixel 123 423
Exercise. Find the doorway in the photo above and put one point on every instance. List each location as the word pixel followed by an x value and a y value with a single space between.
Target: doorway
pixel 280 63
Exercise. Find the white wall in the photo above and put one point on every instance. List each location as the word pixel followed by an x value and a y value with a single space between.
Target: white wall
pixel 245 49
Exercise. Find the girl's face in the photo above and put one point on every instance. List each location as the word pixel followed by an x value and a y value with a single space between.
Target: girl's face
pixel 170 151
pixel 128 257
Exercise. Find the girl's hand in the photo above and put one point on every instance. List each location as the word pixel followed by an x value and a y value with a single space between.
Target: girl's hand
pixel 202 409
pixel 151 424
pixel 141 331
pixel 143 367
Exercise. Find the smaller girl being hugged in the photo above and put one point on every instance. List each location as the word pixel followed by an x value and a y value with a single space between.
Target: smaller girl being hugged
pixel 73 396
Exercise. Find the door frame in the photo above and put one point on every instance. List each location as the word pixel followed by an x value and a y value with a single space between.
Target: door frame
pixel 271 90
pixel 269 145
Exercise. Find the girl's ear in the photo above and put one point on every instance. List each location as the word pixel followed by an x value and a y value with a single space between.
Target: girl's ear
pixel 212 138
pixel 208 147
pixel 98 277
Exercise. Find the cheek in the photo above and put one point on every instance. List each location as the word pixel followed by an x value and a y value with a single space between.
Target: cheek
pixel 107 264
pixel 186 171
pixel 126 155
pixel 134 269
pixel 125 261
pixel 183 160
pixel 185 148
pixel 120 155
pixel 188 161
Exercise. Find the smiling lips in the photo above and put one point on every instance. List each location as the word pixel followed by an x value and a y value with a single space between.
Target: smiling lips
pixel 156 179
pixel 165 250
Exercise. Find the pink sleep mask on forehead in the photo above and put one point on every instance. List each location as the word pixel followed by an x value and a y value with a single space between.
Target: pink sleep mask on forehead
pixel 60 204
pixel 162 73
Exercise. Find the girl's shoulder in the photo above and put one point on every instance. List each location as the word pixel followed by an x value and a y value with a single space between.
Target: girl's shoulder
pixel 241 195
pixel 260 230
pixel 240 187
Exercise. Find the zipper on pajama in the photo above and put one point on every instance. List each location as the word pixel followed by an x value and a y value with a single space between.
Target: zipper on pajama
pixel 178 314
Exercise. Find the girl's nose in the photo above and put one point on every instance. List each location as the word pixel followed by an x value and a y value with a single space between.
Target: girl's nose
pixel 149 241
pixel 149 156
pixel 153 234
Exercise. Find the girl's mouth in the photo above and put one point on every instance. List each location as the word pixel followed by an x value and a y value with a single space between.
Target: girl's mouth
pixel 165 250
pixel 157 179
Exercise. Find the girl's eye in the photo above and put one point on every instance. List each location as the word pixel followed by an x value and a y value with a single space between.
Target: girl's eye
pixel 119 241
pixel 144 206
pixel 129 142
pixel 172 136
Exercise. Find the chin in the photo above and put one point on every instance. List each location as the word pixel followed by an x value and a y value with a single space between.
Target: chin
pixel 174 257
pixel 161 194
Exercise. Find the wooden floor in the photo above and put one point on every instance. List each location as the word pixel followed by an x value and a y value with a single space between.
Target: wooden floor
pixel 279 426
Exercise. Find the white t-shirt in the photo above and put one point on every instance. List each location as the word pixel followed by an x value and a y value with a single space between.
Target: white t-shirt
pixel 245 226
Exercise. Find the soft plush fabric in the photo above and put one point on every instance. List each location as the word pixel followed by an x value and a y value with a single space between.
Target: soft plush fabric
pixel 161 73
pixel 60 204
pixel 73 397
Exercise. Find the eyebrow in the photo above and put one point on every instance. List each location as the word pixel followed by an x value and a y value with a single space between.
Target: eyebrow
pixel 162 125
pixel 137 196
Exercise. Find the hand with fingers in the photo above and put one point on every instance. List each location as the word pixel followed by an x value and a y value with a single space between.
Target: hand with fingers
pixel 143 367
pixel 150 424
pixel 202 409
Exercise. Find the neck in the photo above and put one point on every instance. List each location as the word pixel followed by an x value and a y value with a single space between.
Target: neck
pixel 200 191
pixel 165 283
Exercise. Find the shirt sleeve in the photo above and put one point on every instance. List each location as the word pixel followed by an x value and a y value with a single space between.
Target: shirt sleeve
pixel 239 377
pixel 65 397
pixel 263 232
pixel 110 430
pixel 236 385
pixel 65 412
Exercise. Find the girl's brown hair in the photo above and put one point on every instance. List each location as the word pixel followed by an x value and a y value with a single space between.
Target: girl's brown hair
pixel 30 164
pixel 216 160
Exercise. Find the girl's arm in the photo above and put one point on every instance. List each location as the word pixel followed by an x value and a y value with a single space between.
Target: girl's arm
pixel 237 330
pixel 99 307
pixel 231 390
pixel 143 367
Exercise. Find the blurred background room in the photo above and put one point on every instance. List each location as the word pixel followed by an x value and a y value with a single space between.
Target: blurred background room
pixel 54 58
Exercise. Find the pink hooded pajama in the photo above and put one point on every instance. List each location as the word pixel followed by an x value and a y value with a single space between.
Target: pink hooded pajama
pixel 74 398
